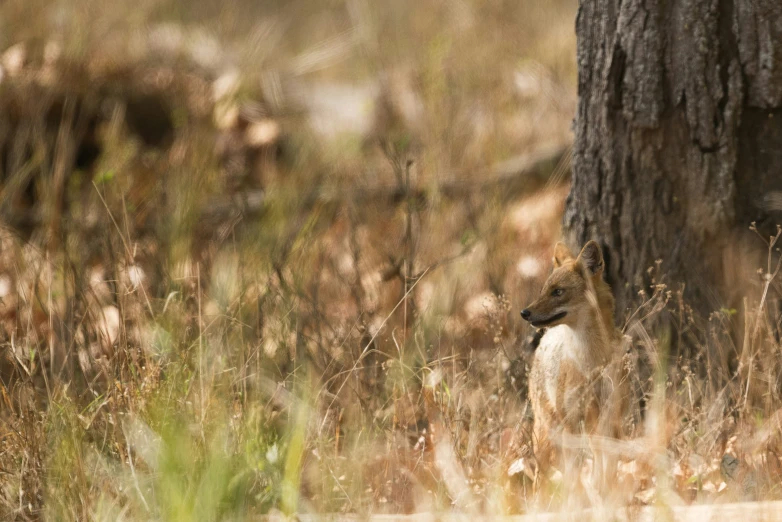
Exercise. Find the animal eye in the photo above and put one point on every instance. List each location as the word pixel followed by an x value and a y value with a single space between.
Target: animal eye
pixel 557 292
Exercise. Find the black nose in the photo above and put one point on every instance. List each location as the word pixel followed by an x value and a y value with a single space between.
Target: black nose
pixel 525 314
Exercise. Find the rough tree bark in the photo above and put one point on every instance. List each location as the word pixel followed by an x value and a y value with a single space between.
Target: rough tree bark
pixel 678 140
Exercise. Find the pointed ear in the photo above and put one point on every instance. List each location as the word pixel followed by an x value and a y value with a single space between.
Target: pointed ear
pixel 561 254
pixel 591 258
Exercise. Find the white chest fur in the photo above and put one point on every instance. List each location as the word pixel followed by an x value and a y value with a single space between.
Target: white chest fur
pixel 558 343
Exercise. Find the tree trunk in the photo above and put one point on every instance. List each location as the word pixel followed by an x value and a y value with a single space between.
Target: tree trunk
pixel 678 141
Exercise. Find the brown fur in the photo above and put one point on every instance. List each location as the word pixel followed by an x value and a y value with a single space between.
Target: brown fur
pixel 576 383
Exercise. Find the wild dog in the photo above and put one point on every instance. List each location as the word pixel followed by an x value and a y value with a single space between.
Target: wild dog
pixel 574 385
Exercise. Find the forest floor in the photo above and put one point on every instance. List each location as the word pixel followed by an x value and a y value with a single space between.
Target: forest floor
pixel 259 260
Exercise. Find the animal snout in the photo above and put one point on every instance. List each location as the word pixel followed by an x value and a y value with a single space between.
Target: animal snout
pixel 525 314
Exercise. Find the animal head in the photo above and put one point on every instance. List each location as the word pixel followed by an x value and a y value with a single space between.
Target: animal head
pixel 575 287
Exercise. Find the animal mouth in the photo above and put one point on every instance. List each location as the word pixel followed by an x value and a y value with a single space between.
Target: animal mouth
pixel 552 319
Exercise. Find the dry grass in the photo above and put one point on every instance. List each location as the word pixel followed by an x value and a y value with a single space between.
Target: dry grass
pixel 225 290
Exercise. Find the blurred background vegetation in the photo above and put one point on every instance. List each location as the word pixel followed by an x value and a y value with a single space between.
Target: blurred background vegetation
pixel 241 240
